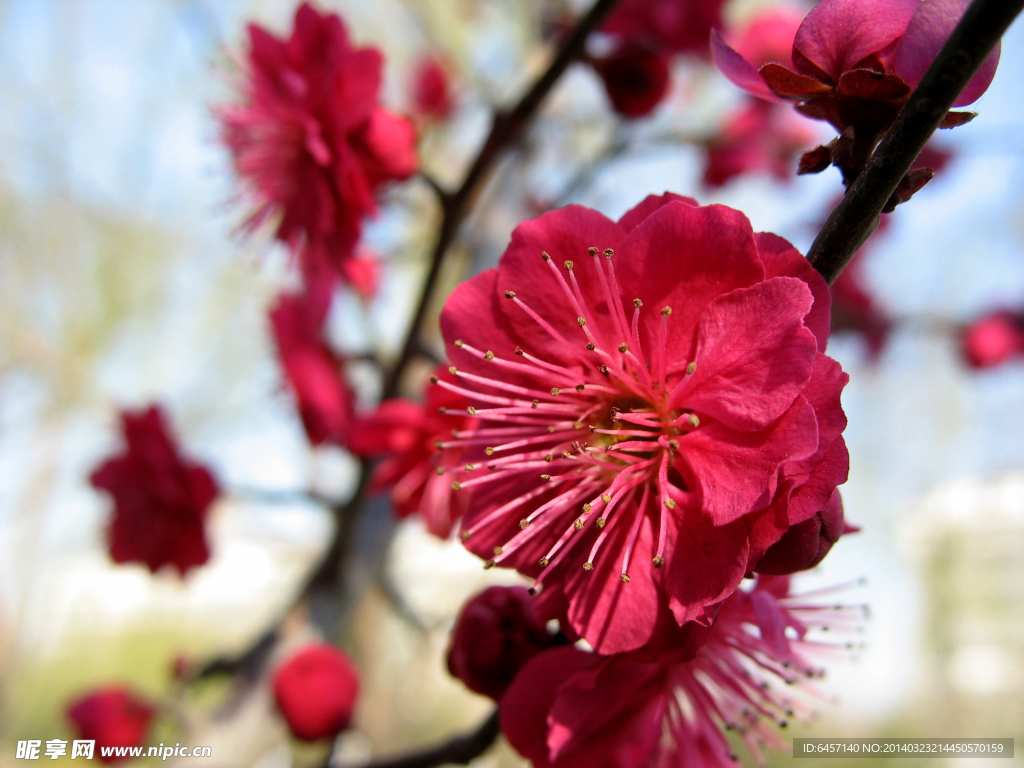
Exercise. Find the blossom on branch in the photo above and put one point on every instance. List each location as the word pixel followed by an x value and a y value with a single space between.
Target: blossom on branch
pixel 993 339
pixel 112 717
pixel 496 633
pixel 568 708
pixel 316 691
pixel 411 438
pixel 674 26
pixel 161 498
pixel 635 77
pixel 311 139
pixel 655 411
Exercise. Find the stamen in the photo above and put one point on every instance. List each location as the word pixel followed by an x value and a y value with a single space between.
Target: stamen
pixel 634 531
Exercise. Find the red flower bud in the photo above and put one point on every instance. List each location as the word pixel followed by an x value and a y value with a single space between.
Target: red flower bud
pixel 805 544
pixel 635 77
pixel 112 717
pixel 497 632
pixel 316 691
pixel 992 340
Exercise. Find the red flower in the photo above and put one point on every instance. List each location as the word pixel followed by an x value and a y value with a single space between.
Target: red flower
pixel 636 78
pixel 112 717
pixel 313 370
pixel 855 62
pixel 311 139
pixel 676 26
pixel 757 136
pixel 805 544
pixel 638 464
pixel 571 709
pixel 993 339
pixel 160 497
pixel 410 437
pixel 316 691
pixel 431 89
pixel 496 633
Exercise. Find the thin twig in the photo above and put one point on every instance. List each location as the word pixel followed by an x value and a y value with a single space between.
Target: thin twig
pixel 856 216
pixel 458 751
pixel 506 130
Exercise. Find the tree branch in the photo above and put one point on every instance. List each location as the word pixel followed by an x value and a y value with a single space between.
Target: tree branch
pixel 854 219
pixel 459 751
pixel 506 130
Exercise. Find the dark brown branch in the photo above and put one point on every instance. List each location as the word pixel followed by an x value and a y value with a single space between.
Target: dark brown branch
pixel 856 216
pixel 506 130
pixel 459 751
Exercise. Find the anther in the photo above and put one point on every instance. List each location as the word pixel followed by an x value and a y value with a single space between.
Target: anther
pixel 586 509
pixel 456 485
pixel 470 467
pixel 578 524
pixel 577 425
pixel 691 368
pixel 608 253
pixel 465 535
pixel 545 478
pixel 625 578
pixel 623 347
pixel 659 561
pixel 673 444
pixel 471 411
pixel 458 343
pixel 568 265
pixel 497 550
pixel 588 566
pixel 488 565
pixel 670 503
pixel 555 391
pixel 603 369
pixel 579 388
pixel 452 369
pixel 693 420
pixel 523 523
pixel 488 355
pixel 566 455
pixel 591 346
pixel 440 470
pixel 545 255
pixel 519 350
pixel 551 429
pixel 489 451
pixel 666 311
pixel 531 591
pixel 510 294
pixel 582 321
pixel 606 497
pixel 549 457
pixel 434 379
pixel 544 562
pixel 535 403
pixel 637 303
pixel 438 444
pixel 601 522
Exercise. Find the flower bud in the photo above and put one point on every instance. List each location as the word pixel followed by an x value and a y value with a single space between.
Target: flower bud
pixel 992 340
pixel 497 632
pixel 635 77
pixel 316 691
pixel 805 544
pixel 112 717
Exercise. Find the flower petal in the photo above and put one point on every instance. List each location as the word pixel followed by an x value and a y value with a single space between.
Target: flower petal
pixel 926 33
pixel 781 259
pixel 631 218
pixel 740 71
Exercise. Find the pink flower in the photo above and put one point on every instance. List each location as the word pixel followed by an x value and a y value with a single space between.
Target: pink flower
pixel 316 691
pixel 638 463
pixel 496 633
pixel 410 438
pixel 311 139
pixel 112 717
pixel 993 339
pixel 855 62
pixel 676 26
pixel 431 89
pixel 757 136
pixel 635 77
pixel 571 709
pixel 160 497
pixel 314 372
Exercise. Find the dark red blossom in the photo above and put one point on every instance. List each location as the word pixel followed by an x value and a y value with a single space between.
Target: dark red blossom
pixel 314 372
pixel 316 691
pixel 993 339
pixel 410 438
pixel 311 139
pixel 496 633
pixel 431 89
pixel 675 26
pixel 112 717
pixel 568 708
pixel 854 64
pixel 161 498
pixel 805 544
pixel 638 463
pixel 635 77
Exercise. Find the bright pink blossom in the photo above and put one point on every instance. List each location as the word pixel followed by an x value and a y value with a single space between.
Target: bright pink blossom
pixel 316 691
pixel 496 633
pixel 636 78
pixel 161 498
pixel 410 438
pixel 432 90
pixel 568 708
pixel 993 339
pixel 855 62
pixel 112 717
pixel 675 26
pixel 311 139
pixel 315 374
pixel 655 410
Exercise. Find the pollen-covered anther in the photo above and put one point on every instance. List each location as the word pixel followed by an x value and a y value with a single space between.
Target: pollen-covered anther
pixel 658 561
pixel 666 311
pixel 488 565
pixel 608 253
pixel 582 321
pixel 535 403
pixel 577 425
pixel 510 294
pixel 577 524
pixel 691 368
pixel 458 343
pixel 545 255
pixel 498 550
pixel 555 391
pixel 434 379
pixel 456 486
pixel 465 535
pixel 603 369
pixel 440 470
pixel 601 521
pixel 566 455
pixel 580 388
pixel 519 351
pixel 693 420
pixel 588 566
pixel 586 509
pixel 452 370
pixel 471 411
pixel 670 503
pixel 470 467
pixel 606 497
pixel 591 346
pixel 624 578
pixel 489 451
pixel 524 523
pixel 545 478
pixel 544 562
pixel 439 444
pixel 637 303
pixel 592 251
pixel 549 457
pixel 673 444
pixel 623 347
pixel 488 355
pixel 568 265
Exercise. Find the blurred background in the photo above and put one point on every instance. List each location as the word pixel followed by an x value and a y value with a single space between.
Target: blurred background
pixel 123 281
